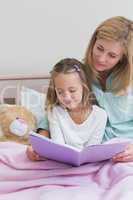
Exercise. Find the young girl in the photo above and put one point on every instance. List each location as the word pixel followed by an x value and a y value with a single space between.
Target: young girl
pixel 72 117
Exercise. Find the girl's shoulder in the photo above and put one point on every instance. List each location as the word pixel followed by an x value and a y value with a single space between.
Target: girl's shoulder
pixel 99 111
pixel 56 113
pixel 57 109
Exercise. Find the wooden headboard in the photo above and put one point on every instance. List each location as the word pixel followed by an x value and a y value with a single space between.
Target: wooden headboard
pixel 10 86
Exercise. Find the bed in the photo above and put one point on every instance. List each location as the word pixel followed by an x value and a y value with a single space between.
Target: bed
pixel 23 97
pixel 10 86
pixel 22 179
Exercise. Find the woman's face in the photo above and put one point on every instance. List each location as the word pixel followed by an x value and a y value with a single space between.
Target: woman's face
pixel 106 54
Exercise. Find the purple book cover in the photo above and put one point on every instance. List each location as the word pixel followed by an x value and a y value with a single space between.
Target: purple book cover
pixel 71 155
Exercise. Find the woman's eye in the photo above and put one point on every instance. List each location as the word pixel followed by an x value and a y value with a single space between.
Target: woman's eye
pixel 100 49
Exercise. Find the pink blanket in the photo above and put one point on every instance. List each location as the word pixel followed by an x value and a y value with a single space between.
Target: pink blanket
pixel 23 179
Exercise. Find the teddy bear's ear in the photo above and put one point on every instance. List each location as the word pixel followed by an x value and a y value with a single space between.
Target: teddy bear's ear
pixel 16 122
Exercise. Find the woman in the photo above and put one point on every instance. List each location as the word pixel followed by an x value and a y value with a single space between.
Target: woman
pixel 109 58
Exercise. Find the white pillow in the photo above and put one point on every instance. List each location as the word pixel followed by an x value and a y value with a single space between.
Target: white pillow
pixel 33 101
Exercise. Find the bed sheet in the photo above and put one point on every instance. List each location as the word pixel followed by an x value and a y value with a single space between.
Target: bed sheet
pixel 21 178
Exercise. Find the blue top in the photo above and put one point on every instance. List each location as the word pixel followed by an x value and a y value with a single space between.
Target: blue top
pixel 44 124
pixel 119 110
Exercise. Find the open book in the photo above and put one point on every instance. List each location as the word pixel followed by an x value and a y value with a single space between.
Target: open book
pixel 71 155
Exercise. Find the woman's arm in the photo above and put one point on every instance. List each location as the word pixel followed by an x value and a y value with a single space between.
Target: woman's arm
pixel 126 156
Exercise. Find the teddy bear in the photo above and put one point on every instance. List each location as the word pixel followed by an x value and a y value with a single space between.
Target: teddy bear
pixel 15 123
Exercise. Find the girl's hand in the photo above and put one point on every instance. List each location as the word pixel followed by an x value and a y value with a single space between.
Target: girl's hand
pixel 44 133
pixel 125 156
pixel 32 155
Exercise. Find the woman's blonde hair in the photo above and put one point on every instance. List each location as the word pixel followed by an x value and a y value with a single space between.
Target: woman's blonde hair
pixel 67 66
pixel 117 29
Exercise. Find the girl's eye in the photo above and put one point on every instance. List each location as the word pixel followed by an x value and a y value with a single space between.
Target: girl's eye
pixel 60 92
pixel 72 91
pixel 112 56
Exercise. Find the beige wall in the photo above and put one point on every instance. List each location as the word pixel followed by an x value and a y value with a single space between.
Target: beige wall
pixel 34 34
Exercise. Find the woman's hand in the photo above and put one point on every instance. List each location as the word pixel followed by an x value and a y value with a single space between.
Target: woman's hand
pixel 32 155
pixel 125 156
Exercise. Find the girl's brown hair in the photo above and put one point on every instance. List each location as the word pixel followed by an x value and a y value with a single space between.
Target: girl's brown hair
pixel 117 29
pixel 67 66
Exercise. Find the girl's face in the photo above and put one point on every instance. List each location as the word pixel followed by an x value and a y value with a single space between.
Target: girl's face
pixel 69 90
pixel 106 54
